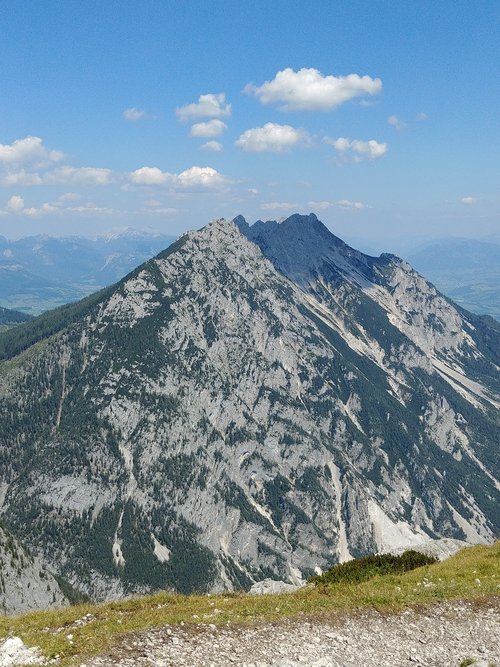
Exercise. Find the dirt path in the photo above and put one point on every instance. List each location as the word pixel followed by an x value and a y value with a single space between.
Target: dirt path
pixel 437 637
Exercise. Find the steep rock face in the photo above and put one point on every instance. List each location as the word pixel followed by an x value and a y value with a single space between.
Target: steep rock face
pixel 25 582
pixel 254 402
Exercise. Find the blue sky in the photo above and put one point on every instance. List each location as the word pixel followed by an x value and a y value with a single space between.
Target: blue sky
pixel 380 116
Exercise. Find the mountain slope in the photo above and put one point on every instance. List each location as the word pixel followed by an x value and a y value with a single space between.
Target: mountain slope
pixel 10 318
pixel 217 418
pixel 25 583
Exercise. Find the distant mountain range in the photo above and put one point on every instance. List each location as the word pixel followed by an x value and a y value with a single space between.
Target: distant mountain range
pixel 255 401
pixel 466 270
pixel 38 273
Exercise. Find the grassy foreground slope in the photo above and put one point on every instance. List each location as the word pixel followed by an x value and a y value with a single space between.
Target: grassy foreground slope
pixel 473 573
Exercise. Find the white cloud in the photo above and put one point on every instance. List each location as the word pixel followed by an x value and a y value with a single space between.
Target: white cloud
pixel 422 116
pixel 80 175
pixel 61 175
pixel 271 138
pixel 208 106
pixel 277 205
pixel 15 203
pixel 21 178
pixel 320 205
pixel 253 191
pixel 396 122
pixel 150 176
pixel 350 205
pixel 469 201
pixel 357 150
pixel 133 114
pixel 214 146
pixel 192 177
pixel 28 150
pixel 211 128
pixel 204 176
pixel 309 90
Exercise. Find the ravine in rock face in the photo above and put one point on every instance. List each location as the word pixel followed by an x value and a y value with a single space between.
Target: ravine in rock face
pixel 255 402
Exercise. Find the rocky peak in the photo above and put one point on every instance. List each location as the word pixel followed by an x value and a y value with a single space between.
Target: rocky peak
pixel 253 403
pixel 304 249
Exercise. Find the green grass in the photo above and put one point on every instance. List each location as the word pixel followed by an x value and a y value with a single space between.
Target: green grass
pixel 453 579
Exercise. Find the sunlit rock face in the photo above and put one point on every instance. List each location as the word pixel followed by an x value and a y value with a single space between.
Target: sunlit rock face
pixel 25 582
pixel 254 403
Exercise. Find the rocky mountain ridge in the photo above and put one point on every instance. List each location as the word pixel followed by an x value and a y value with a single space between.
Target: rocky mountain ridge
pixel 254 402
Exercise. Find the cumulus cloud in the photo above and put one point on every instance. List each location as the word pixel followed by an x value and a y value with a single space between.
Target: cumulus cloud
pixel 396 122
pixel 20 178
pixel 150 176
pixel 28 150
pixel 320 205
pixel 348 205
pixel 214 146
pixel 204 176
pixel 79 175
pixel 309 90
pixel 61 175
pixel 15 203
pixel 271 138
pixel 208 106
pixel 356 150
pixel 469 201
pixel 277 205
pixel 193 177
pixel 210 128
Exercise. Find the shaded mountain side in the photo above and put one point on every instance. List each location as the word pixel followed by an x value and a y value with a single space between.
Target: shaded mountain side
pixel 235 409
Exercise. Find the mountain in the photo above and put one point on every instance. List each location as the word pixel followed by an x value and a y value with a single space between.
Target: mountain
pixel 41 272
pixel 25 582
pixel 9 318
pixel 256 401
pixel 466 270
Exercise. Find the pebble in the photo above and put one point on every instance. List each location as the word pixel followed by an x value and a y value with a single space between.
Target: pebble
pixel 445 634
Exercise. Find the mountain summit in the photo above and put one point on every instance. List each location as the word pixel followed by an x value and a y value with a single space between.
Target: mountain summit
pixel 256 401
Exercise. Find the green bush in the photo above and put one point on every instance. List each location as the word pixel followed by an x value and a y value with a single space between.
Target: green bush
pixel 362 569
